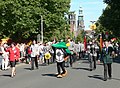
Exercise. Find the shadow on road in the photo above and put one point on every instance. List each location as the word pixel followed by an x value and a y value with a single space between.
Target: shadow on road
pixel 44 64
pixel 51 75
pixel 6 75
pixel 96 77
pixel 27 68
pixel 100 77
pixel 87 69
pixel 100 63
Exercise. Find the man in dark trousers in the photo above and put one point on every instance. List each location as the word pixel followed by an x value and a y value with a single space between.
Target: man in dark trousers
pixel 61 56
pixel 92 50
pixel 34 55
pixel 71 48
pixel 107 53
pixel 60 63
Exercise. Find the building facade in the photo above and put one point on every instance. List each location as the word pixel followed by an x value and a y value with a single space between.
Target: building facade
pixel 72 22
pixel 80 21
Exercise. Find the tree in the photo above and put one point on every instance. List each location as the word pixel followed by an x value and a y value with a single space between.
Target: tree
pixel 80 36
pixel 109 20
pixel 20 19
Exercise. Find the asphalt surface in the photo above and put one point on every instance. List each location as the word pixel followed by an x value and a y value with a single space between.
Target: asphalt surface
pixel 78 76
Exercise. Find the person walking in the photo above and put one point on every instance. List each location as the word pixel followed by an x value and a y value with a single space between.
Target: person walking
pixel 1 55
pixel 28 54
pixel 71 48
pixel 81 49
pixel 92 49
pixel 60 63
pixel 5 59
pixel 41 53
pixel 45 50
pixel 34 55
pixel 61 56
pixel 107 53
pixel 13 57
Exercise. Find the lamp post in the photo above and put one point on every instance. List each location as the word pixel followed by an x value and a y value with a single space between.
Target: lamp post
pixel 93 27
pixel 40 35
pixel 42 29
pixel 92 22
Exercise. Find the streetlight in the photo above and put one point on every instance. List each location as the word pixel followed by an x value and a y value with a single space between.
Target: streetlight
pixel 92 22
pixel 93 27
pixel 42 29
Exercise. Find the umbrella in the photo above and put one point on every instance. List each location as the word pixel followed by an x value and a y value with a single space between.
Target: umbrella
pixel 68 51
pixel 60 45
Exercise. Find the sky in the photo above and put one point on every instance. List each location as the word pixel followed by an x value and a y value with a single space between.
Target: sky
pixel 92 9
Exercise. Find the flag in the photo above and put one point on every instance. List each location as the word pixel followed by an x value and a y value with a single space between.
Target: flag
pixel 85 43
pixel 101 42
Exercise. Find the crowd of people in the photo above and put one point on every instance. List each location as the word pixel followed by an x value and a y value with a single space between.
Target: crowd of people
pixel 44 54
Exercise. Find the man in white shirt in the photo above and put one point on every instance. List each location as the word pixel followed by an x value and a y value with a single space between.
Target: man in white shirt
pixel 81 49
pixel 34 53
pixel 41 55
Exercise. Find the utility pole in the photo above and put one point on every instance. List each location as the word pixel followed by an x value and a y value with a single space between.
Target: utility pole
pixel 42 29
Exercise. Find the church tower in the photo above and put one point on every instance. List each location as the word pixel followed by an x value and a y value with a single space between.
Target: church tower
pixel 80 22
pixel 72 21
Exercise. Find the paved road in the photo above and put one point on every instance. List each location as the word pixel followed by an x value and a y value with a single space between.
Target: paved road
pixel 78 77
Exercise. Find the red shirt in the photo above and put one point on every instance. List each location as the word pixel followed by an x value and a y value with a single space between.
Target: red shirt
pixel 29 50
pixel 13 53
pixel 17 53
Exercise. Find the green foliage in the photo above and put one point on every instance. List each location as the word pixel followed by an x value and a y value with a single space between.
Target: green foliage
pixel 20 19
pixel 110 19
pixel 80 36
